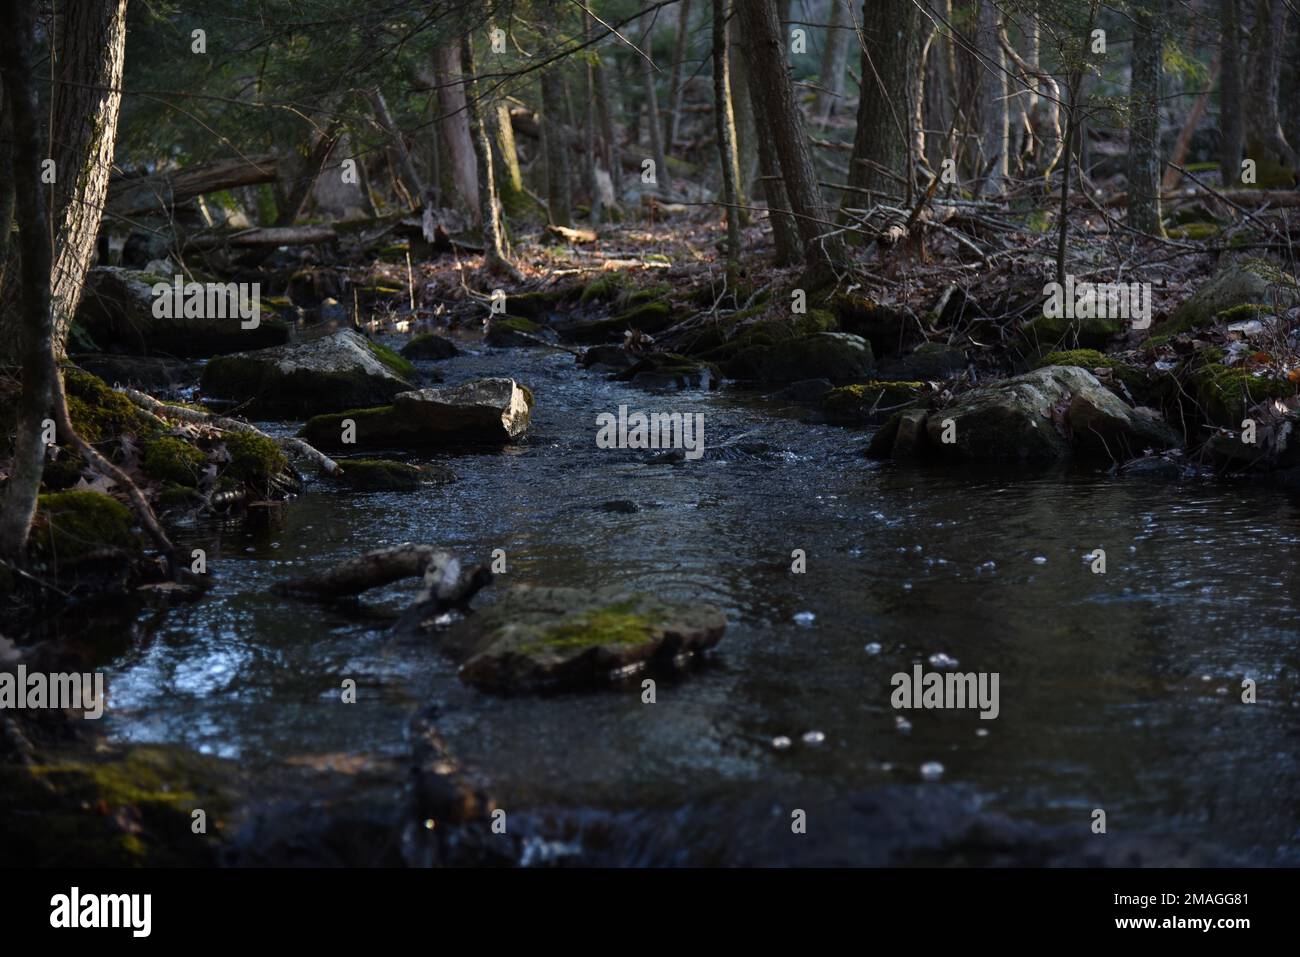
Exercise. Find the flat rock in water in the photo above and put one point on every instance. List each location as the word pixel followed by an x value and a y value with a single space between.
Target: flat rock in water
pixel 485 410
pixel 328 374
pixel 537 639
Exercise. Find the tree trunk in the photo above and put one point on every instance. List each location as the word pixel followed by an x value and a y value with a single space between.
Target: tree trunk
pixel 891 71
pixel 835 57
pixel 86 97
pixel 1144 125
pixel 994 128
pixel 595 212
pixel 494 252
pixel 726 124
pixel 775 105
pixel 1231 131
pixel 35 321
pixel 513 197
pixel 404 160
pixel 556 150
pixel 746 135
pixel 663 182
pixel 613 159
pixel 453 130
pixel 679 64
pixel 1265 141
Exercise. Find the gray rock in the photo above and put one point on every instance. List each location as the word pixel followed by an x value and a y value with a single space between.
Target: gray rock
pixel 536 639
pixel 824 355
pixel 429 346
pixel 489 410
pixel 334 372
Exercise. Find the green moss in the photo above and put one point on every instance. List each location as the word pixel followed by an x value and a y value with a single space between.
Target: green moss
pixel 1247 281
pixel 1225 392
pixel 375 427
pixel 517 324
pixel 1048 331
pixel 174 495
pixel 99 413
pixel 603 288
pixel 636 297
pixel 71 525
pixel 63 472
pixel 255 459
pixel 769 332
pixel 381 475
pixel 403 367
pixel 538 302
pixel 1195 231
pixel 1083 358
pixel 615 625
pixel 174 460
pixel 869 402
pixel 1245 312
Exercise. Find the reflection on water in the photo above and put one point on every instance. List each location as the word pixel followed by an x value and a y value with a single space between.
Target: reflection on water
pixel 1120 691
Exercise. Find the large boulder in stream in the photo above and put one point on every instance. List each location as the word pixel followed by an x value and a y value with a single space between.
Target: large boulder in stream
pixel 1042 416
pixel 482 412
pixel 337 371
pixel 536 639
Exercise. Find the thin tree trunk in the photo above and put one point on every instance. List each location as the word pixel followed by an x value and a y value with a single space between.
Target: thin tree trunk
pixel 613 160
pixel 775 103
pixel 87 95
pixel 746 135
pixel 1144 124
pixel 726 124
pixel 596 211
pixel 510 184
pixel 835 57
pixel 663 182
pixel 679 65
pixel 494 252
pixel 994 125
pixel 35 319
pixel 413 179
pixel 1231 131
pixel 557 152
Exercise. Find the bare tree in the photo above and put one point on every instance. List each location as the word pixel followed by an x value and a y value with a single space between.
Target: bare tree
pixel 1231 132
pixel 726 124
pixel 835 57
pixel 994 127
pixel 1144 118
pixel 1265 141
pixel 494 252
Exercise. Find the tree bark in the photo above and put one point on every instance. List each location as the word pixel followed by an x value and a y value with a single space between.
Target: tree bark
pixel 1231 130
pixel 726 124
pixel 453 129
pixel 35 319
pixel 663 182
pixel 510 183
pixel 1144 123
pixel 835 57
pixel 86 97
pixel 675 86
pixel 1265 141
pixel 891 78
pixel 775 105
pixel 494 252
pixel 413 179
pixel 994 125
pixel 556 150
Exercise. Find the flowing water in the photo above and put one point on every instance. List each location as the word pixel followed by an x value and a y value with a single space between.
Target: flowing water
pixel 1120 691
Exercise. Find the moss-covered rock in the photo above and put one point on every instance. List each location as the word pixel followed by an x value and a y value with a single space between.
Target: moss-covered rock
pixel 506 332
pixel 72 526
pixel 1224 393
pixel 536 639
pixel 254 459
pixel 114 809
pixel 175 460
pixel 826 355
pixel 99 413
pixel 604 287
pixel 1243 281
pixel 733 338
pixel 385 475
pixel 397 363
pixel 430 346
pixel 1045 333
pixel 668 371
pixel 648 317
pixel 870 403
pixel 337 371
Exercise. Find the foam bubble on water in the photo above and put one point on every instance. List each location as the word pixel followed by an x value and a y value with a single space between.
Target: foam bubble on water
pixel 814 737
pixel 941 660
pixel 931 771
pixel 804 618
pixel 873 648
pixel 780 742
pixel 1040 559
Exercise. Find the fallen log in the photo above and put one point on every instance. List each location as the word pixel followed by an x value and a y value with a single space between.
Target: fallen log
pixel 292 444
pixel 445 583
pixel 160 192
pixel 264 236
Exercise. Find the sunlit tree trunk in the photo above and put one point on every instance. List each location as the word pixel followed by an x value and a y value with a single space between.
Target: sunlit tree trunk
pixel 726 124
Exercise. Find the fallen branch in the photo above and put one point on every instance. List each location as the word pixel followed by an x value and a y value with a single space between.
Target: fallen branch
pixel 445 583
pixel 133 196
pixel 157 408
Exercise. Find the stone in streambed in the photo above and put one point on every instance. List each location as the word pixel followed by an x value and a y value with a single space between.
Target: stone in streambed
pixel 482 412
pixel 537 639
pixel 385 475
pixel 338 371
pixel 430 346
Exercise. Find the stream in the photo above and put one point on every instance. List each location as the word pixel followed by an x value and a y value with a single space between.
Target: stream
pixel 1119 691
